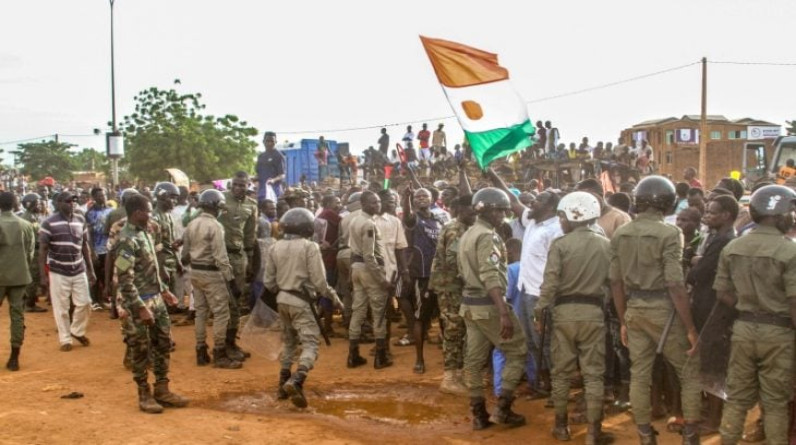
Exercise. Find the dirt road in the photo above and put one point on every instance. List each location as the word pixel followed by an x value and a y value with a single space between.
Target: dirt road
pixel 390 406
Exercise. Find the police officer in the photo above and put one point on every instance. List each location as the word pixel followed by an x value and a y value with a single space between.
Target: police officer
pixel 31 204
pixel 370 283
pixel 17 243
pixel 489 320
pixel 240 234
pixel 648 288
pixel 344 256
pixel 445 281
pixel 211 273
pixel 166 195
pixel 144 295
pixel 757 276
pixel 295 271
pixel 573 288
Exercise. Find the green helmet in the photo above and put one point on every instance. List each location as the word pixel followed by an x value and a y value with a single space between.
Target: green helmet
pixel 491 198
pixel 30 200
pixel 298 221
pixel 211 199
pixel 772 200
pixel 166 189
pixel 126 193
pixel 656 192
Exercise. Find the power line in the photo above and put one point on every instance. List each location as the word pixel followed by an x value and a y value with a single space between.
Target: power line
pixel 541 99
pixel 752 63
pixel 20 141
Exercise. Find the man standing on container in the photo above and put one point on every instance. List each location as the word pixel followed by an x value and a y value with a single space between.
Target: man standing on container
pixel 270 167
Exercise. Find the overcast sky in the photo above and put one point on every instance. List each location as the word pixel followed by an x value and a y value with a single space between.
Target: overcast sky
pixel 321 65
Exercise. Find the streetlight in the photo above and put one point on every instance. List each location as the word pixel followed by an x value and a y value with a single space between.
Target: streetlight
pixel 114 139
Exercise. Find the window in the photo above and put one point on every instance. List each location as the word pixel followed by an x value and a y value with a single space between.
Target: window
pixel 742 135
pixel 669 137
pixel 732 134
pixel 715 135
pixel 668 157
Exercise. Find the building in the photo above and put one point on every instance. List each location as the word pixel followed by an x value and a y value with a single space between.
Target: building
pixel 732 145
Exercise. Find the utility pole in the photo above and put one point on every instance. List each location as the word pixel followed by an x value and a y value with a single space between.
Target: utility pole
pixel 703 127
pixel 114 139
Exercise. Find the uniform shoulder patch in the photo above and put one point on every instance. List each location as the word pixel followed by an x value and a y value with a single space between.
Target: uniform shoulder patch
pixel 494 258
pixel 124 260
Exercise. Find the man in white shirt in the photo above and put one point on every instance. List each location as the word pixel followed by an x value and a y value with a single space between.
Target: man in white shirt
pixel 541 228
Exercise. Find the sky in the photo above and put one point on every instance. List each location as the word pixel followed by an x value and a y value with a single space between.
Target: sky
pixel 316 66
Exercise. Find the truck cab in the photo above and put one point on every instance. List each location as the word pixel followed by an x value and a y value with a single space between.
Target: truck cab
pixel 756 167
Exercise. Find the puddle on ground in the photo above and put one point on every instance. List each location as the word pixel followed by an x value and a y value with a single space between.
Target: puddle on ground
pixel 401 406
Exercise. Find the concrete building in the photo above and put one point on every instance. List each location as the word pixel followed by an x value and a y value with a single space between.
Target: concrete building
pixel 732 145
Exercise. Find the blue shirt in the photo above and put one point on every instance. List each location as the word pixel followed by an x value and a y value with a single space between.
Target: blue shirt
pixel 96 219
pixel 270 164
pixel 513 291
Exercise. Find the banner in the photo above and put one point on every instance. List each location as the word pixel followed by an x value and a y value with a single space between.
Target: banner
pixel 687 136
pixel 756 132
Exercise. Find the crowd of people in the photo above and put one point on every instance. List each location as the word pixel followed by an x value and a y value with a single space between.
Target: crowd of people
pixel 650 296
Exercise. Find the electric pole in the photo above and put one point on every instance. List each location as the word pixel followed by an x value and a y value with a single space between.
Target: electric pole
pixel 703 127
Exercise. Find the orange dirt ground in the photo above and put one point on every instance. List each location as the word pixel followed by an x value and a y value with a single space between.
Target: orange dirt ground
pixel 390 406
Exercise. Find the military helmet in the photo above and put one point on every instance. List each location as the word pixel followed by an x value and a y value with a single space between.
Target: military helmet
pixel 656 192
pixel 354 197
pixel 772 200
pixel 298 221
pixel 30 199
pixel 211 199
pixel 491 198
pixel 353 203
pixel 126 193
pixel 579 206
pixel 166 189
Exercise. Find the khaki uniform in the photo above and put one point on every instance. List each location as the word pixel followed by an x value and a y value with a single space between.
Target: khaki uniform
pixel 294 269
pixel 760 270
pixel 204 248
pixel 368 277
pixel 17 244
pixel 136 266
pixel 447 283
pixel 240 235
pixel 482 266
pixel 574 279
pixel 32 291
pixel 167 255
pixel 645 255
pixel 344 286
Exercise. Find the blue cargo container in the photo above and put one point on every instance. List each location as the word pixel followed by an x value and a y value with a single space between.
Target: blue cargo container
pixel 300 160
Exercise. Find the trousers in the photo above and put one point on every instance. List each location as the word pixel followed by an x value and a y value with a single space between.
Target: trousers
pixel 210 294
pixel 299 329
pixel 64 289
pixel 368 291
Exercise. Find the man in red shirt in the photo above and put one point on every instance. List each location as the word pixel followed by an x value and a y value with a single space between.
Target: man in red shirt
pixel 690 175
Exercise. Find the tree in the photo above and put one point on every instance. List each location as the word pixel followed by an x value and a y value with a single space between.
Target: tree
pixel 168 130
pixel 791 127
pixel 47 158
pixel 90 159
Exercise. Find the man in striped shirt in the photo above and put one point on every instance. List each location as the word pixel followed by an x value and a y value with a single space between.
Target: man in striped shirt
pixel 63 247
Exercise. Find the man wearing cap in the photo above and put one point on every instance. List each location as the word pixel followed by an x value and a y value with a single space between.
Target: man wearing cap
pixel 270 167
pixel 63 246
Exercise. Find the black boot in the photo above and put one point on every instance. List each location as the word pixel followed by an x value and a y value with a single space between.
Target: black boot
pixel 233 351
pixel 504 415
pixel 202 357
pixel 381 360
pixel 595 436
pixel 690 434
pixel 647 435
pixel 480 415
pixel 221 360
pixel 284 375
pixel 561 429
pixel 13 360
pixel 354 359
pixel 294 387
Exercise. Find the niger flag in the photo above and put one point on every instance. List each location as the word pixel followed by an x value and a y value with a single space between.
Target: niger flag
pixel 494 117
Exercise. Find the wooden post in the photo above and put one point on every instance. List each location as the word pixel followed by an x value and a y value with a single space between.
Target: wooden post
pixel 703 127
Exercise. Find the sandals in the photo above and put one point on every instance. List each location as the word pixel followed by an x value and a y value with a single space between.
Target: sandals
pixel 82 339
pixel 404 341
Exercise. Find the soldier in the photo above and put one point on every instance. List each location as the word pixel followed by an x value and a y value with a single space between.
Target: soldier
pixel 445 281
pixel 344 256
pixel 144 296
pixel 574 278
pixel 370 283
pixel 17 244
pixel 489 320
pixel 295 271
pixel 240 230
pixel 211 273
pixel 166 195
pixel 757 276
pixel 647 284
pixel 32 205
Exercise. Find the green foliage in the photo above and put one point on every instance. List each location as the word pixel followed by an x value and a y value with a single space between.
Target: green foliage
pixel 168 130
pixel 47 158
pixel 791 128
pixel 92 160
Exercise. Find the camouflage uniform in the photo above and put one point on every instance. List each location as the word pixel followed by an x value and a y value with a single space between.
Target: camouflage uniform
pixel 136 266
pixel 240 233
pixel 164 247
pixel 32 291
pixel 445 281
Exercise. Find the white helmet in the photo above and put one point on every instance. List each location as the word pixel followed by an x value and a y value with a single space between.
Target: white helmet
pixel 579 206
